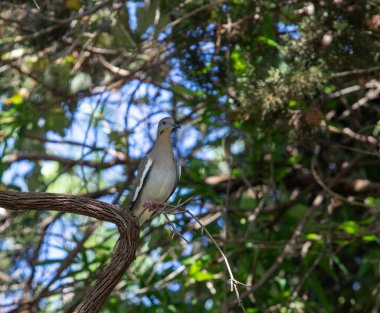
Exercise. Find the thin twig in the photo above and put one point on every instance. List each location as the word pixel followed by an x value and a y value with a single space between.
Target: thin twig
pixel 327 189
pixel 233 282
pixel 356 72
pixel 36 4
pixel 164 210
pixel 173 229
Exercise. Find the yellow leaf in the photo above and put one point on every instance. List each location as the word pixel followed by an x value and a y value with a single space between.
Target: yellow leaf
pixel 69 59
pixel 73 4
pixel 16 99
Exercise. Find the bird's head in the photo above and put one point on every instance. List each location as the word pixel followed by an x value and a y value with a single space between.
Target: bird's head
pixel 167 124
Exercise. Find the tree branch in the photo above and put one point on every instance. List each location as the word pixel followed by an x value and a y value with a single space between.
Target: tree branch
pixel 41 156
pixel 124 253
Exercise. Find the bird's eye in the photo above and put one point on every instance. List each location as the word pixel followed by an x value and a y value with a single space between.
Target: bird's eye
pixel 164 122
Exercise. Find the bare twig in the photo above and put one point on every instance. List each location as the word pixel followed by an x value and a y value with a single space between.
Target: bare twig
pixel 351 134
pixel 327 188
pixel 192 13
pixel 40 156
pixel 173 228
pixel 36 4
pixel 288 249
pixel 233 282
pixel 344 91
pixel 356 72
pixel 297 290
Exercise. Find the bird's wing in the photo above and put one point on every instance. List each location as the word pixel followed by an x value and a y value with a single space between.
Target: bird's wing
pixel 144 169
pixel 178 176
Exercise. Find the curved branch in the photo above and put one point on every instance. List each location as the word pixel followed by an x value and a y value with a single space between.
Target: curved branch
pixel 125 250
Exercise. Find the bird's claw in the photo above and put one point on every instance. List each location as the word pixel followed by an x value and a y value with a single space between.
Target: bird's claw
pixel 153 206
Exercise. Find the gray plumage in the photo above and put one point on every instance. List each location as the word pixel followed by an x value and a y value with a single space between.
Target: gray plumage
pixel 158 173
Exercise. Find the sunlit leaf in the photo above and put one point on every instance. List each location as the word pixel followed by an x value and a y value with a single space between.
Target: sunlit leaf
pixel 350 227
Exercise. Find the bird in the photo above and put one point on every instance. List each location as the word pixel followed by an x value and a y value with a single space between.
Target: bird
pixel 158 174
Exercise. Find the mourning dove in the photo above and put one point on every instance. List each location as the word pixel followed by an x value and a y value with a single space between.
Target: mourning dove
pixel 158 174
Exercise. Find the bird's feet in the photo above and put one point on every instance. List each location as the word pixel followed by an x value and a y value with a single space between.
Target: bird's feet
pixel 153 206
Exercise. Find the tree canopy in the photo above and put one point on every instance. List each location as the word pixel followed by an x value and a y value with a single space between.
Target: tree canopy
pixel 279 147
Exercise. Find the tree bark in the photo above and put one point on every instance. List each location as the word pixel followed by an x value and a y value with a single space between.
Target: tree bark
pixel 124 253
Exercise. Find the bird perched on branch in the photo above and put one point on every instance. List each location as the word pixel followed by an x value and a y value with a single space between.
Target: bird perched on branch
pixel 158 174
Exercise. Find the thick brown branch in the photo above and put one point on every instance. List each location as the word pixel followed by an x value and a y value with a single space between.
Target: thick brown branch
pixel 124 253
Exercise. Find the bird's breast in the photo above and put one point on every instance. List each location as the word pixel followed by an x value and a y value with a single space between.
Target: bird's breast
pixel 161 181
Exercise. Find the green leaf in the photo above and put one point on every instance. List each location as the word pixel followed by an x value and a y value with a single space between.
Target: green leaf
pixel 329 89
pixel 252 310
pixel 370 238
pixel 188 261
pixel 203 275
pixel 372 201
pixel 350 227
pixel 315 237
pixel 268 42
pixel 239 64
pixel 184 91
pixel 197 272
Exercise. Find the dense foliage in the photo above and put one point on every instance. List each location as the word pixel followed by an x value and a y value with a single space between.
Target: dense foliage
pixel 279 146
